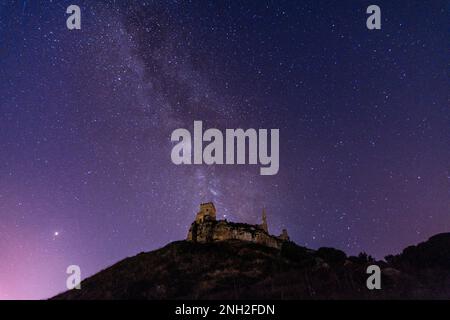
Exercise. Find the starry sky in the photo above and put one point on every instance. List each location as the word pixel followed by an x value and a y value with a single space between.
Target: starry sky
pixel 86 117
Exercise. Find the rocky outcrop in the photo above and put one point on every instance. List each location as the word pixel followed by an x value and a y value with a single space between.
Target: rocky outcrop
pixel 210 231
pixel 206 228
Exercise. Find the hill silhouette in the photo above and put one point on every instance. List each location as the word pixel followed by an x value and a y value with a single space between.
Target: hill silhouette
pixel 235 269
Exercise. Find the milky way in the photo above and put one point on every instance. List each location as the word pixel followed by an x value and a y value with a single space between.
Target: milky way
pixel 86 117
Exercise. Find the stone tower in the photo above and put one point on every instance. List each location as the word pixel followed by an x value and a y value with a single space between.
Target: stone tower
pixel 264 221
pixel 207 212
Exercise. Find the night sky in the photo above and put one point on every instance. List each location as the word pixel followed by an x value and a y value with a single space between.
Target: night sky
pixel 86 116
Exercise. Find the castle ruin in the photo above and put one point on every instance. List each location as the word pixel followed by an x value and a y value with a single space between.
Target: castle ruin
pixel 206 228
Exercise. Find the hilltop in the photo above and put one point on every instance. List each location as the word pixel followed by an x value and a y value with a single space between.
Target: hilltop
pixel 236 269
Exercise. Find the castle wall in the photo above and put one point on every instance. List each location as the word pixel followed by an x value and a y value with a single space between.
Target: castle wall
pixel 210 231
